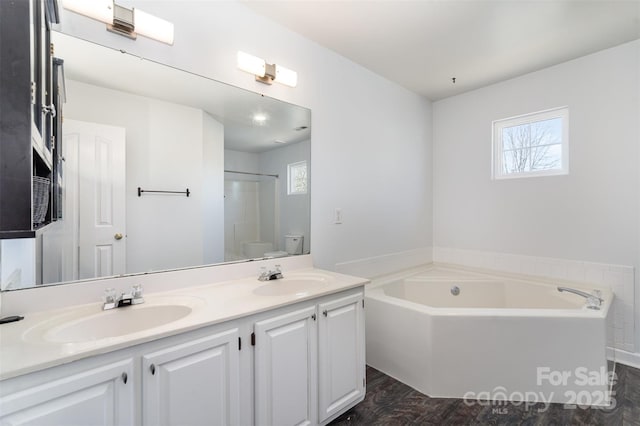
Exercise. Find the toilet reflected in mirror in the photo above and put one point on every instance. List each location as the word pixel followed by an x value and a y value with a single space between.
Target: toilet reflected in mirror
pixel 293 245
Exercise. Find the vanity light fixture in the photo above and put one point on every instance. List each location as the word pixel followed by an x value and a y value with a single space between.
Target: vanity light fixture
pixel 266 73
pixel 123 21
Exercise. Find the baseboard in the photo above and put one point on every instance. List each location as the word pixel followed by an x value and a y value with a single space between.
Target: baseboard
pixel 376 266
pixel 632 359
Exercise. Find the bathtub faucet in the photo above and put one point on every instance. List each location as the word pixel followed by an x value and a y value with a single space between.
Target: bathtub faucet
pixel 594 301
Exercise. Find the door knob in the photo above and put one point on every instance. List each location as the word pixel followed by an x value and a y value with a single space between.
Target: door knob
pixel 118 236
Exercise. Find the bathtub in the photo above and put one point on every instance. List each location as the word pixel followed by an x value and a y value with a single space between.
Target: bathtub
pixel 500 338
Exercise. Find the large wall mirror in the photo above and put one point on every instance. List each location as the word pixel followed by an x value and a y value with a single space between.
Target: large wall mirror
pixel 164 169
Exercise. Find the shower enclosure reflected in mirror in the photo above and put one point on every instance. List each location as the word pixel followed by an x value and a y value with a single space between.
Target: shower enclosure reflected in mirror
pixel 164 169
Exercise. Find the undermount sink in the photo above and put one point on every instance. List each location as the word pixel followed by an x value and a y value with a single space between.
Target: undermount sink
pixel 299 284
pixel 91 325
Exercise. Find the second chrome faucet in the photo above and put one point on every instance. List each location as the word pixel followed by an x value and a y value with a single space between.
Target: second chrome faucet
pixel 111 300
pixel 268 275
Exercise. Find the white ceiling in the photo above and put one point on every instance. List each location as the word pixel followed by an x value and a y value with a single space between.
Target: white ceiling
pixel 422 44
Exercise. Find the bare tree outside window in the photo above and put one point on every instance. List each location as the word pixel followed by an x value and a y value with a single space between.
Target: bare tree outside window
pixel 297 178
pixel 532 146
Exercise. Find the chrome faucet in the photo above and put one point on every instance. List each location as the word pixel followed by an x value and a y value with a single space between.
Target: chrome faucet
pixel 270 275
pixel 594 301
pixel 111 301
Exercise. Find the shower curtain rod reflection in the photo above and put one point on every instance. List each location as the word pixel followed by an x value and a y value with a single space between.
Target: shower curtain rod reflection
pixel 249 173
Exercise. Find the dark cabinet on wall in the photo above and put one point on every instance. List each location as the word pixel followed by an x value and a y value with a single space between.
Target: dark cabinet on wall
pixel 30 109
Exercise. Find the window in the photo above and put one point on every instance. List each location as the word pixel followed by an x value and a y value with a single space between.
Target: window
pixel 534 144
pixel 297 178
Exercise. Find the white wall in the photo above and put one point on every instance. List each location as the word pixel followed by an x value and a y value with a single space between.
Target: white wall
pixel 590 215
pixel 213 190
pixel 371 139
pixel 239 161
pixel 168 229
pixel 163 231
pixel 294 209
pixel 17 266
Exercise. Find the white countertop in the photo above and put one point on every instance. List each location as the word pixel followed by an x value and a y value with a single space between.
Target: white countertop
pixel 23 350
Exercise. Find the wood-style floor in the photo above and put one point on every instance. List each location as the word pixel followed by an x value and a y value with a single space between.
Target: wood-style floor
pixel 389 402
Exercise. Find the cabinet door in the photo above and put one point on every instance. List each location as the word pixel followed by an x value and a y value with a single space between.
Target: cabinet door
pixel 98 396
pixel 341 361
pixel 285 369
pixel 15 120
pixel 195 383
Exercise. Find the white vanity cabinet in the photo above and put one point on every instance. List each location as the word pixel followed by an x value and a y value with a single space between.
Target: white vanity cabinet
pixel 297 364
pixel 309 363
pixel 285 368
pixel 102 395
pixel 341 358
pixel 193 383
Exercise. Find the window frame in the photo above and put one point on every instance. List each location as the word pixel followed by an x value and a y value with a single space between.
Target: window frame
pixel 497 148
pixel 289 177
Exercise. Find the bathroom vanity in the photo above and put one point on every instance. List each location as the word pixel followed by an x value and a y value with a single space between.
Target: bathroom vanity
pixel 288 351
pixel 210 344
